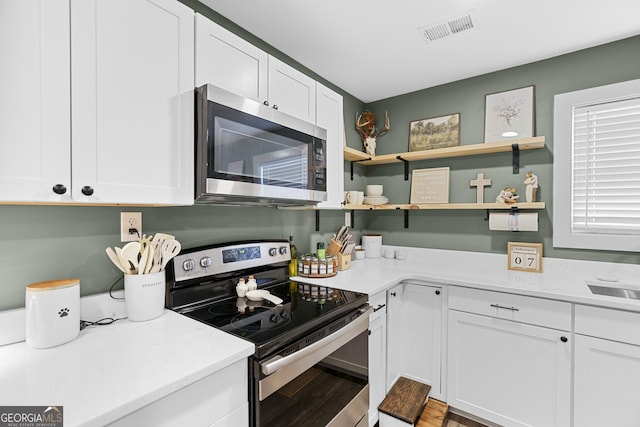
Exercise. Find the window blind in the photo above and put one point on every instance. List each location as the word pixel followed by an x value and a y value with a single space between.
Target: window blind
pixel 606 168
pixel 287 172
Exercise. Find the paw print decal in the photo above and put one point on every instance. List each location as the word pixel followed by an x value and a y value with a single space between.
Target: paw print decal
pixel 64 312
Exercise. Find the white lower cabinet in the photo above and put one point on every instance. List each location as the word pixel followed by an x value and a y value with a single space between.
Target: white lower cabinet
pixel 377 354
pixel 414 341
pixel 219 400
pixel 607 368
pixel 504 370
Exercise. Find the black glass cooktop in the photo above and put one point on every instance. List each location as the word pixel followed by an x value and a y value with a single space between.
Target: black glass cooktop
pixel 304 308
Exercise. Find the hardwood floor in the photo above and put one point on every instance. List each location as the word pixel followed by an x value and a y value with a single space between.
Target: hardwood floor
pixel 455 420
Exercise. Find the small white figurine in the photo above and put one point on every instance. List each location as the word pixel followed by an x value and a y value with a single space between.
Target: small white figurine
pixel 507 195
pixel 531 187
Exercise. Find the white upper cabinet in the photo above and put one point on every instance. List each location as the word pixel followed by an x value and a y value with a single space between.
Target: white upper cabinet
pixel 291 91
pixel 223 59
pixel 35 100
pixel 226 60
pixel 132 101
pixel 97 101
pixel 329 115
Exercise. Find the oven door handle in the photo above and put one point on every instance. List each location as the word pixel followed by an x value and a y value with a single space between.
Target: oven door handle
pixel 321 349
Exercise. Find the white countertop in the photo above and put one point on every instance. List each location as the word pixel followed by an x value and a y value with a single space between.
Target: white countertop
pixel 561 279
pixel 110 371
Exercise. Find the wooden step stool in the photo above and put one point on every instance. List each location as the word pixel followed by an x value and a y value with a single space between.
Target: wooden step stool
pixel 404 403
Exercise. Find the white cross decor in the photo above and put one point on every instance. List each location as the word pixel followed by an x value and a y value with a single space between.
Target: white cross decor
pixel 480 182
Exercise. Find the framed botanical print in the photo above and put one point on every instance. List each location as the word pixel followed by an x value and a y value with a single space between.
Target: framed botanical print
pixel 509 115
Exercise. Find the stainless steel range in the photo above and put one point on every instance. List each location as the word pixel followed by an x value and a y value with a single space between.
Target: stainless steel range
pixel 310 365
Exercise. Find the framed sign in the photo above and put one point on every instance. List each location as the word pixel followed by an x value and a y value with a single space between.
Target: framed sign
pixel 436 132
pixel 430 185
pixel 525 256
pixel 509 115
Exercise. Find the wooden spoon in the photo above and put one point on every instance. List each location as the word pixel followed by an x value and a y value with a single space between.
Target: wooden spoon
pixel 130 253
pixel 114 259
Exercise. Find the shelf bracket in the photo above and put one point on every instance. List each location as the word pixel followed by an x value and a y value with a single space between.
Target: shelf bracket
pixel 406 218
pixel 317 220
pixel 353 219
pixel 515 149
pixel 406 167
pixel 356 161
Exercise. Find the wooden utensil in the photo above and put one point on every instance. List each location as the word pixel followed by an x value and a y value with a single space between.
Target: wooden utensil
pixel 114 259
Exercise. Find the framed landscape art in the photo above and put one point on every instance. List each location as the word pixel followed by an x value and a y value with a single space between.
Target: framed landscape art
pixel 436 132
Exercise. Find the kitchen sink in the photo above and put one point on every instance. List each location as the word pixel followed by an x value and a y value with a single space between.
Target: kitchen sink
pixel 614 292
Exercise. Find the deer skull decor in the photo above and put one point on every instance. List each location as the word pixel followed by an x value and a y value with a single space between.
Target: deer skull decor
pixel 366 127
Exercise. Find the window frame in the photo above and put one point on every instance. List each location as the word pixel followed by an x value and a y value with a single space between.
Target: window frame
pixel 562 168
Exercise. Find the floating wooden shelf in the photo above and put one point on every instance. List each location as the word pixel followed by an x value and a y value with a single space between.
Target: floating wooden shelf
pixel 354 155
pixel 447 206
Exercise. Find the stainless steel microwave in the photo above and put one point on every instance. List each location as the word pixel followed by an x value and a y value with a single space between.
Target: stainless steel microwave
pixel 252 154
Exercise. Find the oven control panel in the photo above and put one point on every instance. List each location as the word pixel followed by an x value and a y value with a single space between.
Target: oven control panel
pixel 205 262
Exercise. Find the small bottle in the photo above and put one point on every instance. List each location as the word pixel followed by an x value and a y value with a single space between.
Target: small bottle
pixel 330 268
pixel 322 266
pixel 307 265
pixel 241 288
pixel 252 285
pixel 293 265
pixel 320 251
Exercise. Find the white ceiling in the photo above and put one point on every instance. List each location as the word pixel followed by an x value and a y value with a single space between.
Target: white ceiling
pixel 373 49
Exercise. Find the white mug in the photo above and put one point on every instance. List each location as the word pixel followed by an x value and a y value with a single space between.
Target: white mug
pixel 352 198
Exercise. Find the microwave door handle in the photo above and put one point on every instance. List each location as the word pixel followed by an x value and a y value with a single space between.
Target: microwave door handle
pixel 323 348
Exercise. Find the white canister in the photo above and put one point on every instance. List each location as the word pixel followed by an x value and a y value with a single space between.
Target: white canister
pixel 144 296
pixel 372 245
pixel 52 312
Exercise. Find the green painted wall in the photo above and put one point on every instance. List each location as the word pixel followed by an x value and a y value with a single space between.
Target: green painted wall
pixel 49 242
pixel 467 230
pixel 52 242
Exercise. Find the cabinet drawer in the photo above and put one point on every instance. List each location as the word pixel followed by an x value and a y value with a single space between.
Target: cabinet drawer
pixel 532 310
pixel 607 323
pixel 204 402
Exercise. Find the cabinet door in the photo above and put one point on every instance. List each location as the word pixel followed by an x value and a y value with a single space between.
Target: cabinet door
pixel 415 336
pixel 606 383
pixel 226 60
pixel 35 101
pixel 377 362
pixel 507 372
pixel 329 115
pixel 291 92
pixel 132 101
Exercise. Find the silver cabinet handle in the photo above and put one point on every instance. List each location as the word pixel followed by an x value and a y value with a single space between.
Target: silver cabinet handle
pixel 506 308
pixel 320 349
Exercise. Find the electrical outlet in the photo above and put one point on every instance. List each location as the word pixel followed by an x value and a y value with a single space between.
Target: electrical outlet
pixel 347 219
pixel 130 226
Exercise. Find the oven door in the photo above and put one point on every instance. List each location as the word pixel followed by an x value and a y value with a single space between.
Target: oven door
pixel 323 384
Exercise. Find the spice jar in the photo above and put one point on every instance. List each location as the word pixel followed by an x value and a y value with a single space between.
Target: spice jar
pixel 314 265
pixel 307 265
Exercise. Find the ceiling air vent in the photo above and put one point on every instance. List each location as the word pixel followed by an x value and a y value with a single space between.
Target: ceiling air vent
pixel 450 27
